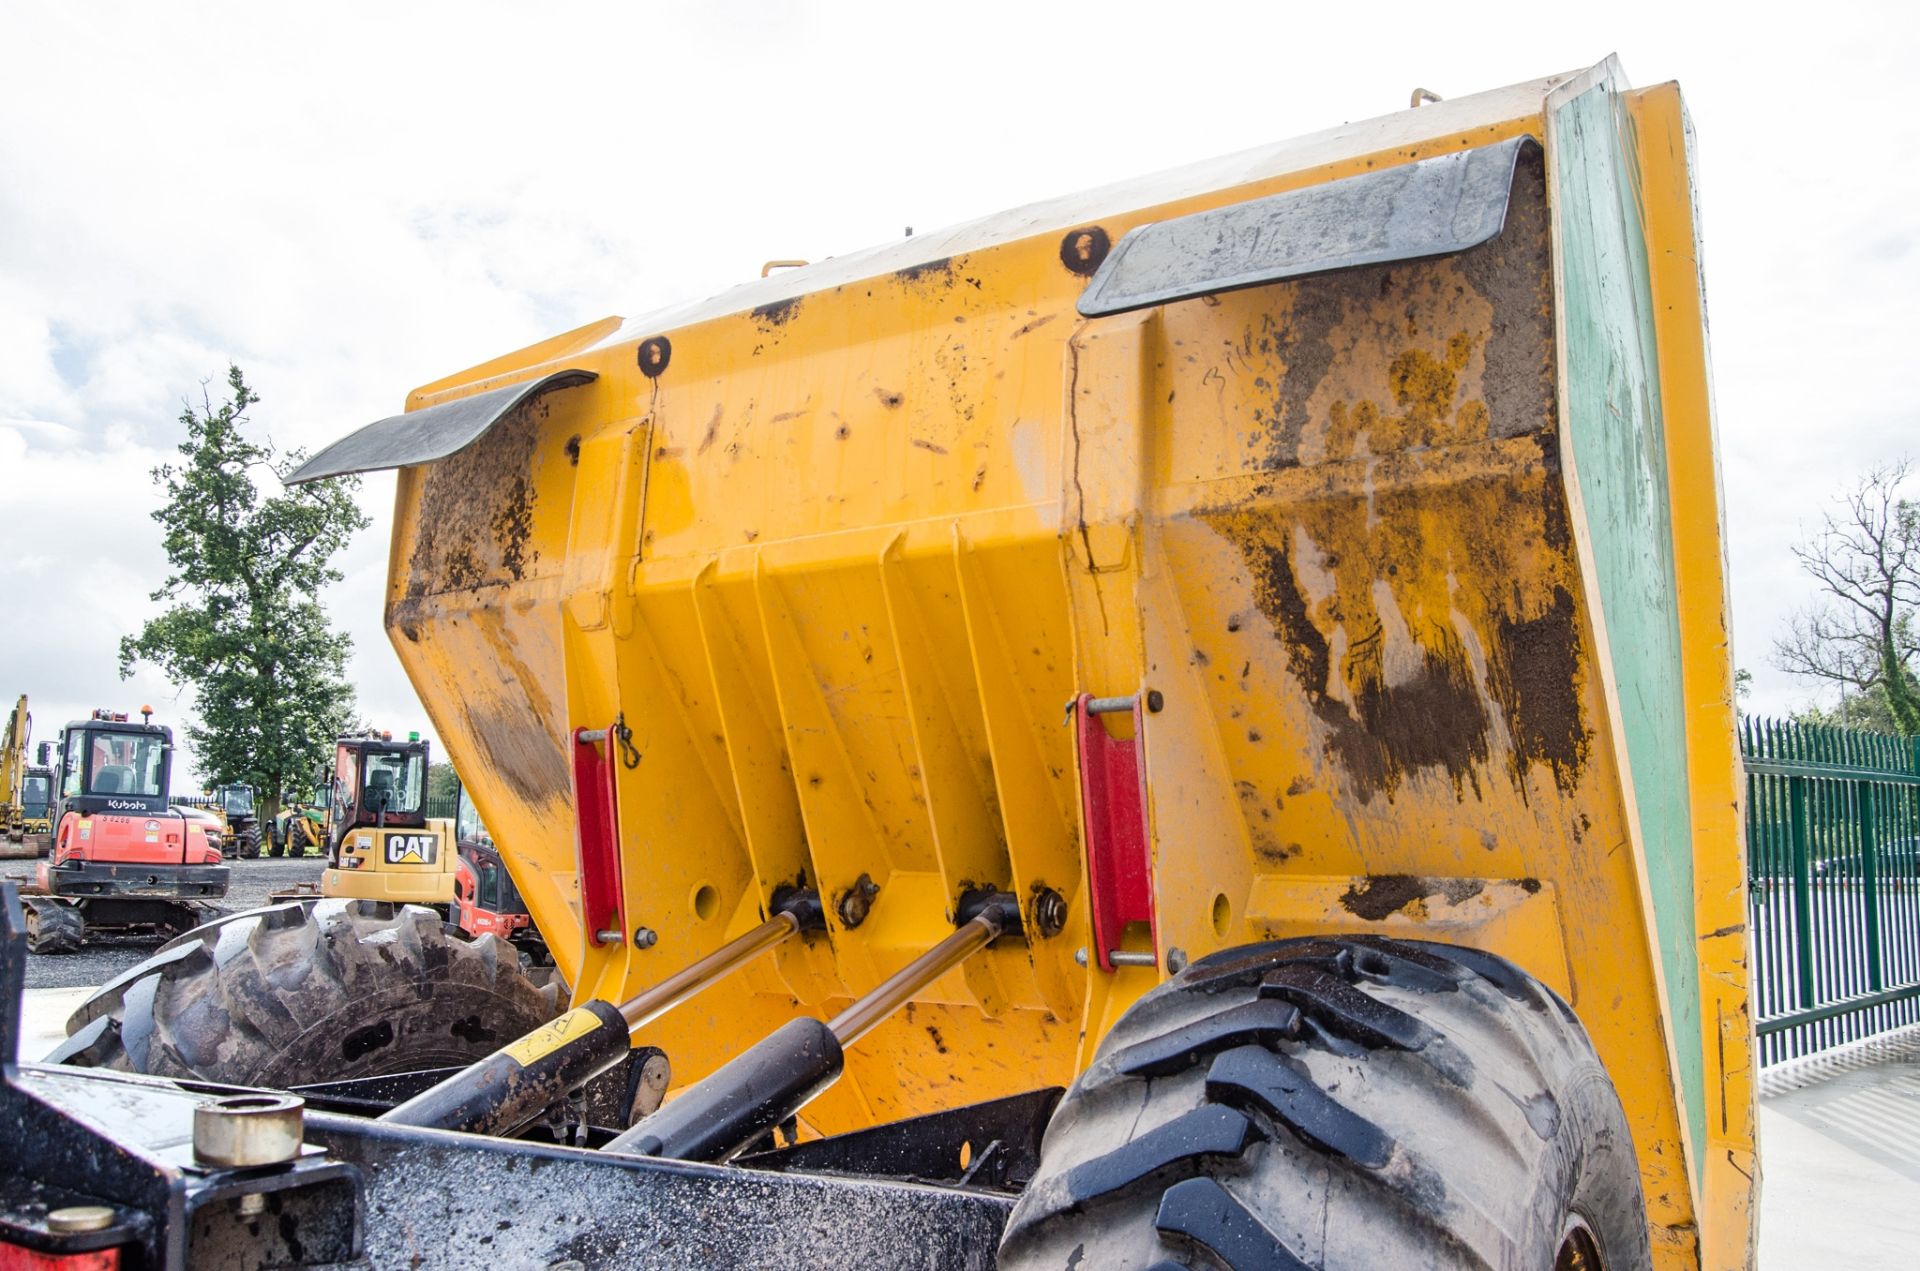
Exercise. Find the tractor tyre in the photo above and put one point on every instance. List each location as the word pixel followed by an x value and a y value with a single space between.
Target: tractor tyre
pixel 247 846
pixel 297 994
pixel 54 927
pixel 1336 1103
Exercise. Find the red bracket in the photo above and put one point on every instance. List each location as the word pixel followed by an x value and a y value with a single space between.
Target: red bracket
pixel 1113 809
pixel 597 808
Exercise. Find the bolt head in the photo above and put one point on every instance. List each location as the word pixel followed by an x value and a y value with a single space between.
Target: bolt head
pixel 1049 912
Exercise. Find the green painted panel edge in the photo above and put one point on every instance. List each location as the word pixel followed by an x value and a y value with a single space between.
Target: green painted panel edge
pixel 1615 428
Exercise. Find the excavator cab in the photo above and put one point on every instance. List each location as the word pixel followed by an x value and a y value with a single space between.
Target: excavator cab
pixel 485 901
pixel 121 857
pixel 36 794
pixel 380 844
pixel 107 764
pixel 377 783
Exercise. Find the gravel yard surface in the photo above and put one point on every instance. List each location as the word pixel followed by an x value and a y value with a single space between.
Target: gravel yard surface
pixel 107 956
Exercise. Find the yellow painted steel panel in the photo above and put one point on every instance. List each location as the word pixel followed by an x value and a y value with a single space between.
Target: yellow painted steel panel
pixel 840 558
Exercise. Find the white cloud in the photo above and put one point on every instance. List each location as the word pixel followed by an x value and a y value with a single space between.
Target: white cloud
pixel 353 200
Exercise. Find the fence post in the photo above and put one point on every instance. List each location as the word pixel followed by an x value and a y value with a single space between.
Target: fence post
pixel 1870 884
pixel 1802 892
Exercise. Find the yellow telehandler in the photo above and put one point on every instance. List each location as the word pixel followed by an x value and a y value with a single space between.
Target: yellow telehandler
pixel 1186 725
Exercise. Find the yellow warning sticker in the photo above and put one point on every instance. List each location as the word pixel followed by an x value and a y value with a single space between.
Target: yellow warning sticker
pixel 548 1038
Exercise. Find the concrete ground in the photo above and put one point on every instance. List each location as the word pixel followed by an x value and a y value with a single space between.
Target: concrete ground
pixel 1840 1160
pixel 1839 1149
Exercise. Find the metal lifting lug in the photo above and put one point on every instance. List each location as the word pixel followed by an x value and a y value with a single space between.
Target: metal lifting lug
pixel 804 904
pixel 1001 907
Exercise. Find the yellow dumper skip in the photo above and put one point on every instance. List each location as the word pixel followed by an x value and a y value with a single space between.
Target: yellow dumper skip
pixel 1408 554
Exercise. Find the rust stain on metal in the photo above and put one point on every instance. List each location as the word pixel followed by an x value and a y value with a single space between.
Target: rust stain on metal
pixel 928 271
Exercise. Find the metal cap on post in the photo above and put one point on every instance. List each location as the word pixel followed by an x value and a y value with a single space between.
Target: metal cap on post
pixel 248 1130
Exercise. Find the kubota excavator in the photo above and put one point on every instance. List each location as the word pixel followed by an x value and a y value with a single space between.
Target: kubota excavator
pixel 122 858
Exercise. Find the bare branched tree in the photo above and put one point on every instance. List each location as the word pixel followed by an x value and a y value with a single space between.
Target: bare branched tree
pixel 1861 636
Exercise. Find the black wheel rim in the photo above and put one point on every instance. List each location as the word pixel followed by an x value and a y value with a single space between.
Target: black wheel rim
pixel 1579 1251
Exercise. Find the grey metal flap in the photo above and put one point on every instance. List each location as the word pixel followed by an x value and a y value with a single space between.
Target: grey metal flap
pixel 429 435
pixel 1432 207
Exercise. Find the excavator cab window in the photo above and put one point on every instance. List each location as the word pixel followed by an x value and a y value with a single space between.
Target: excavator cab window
pixel 127 763
pixel 489 873
pixel 393 783
pixel 35 793
pixel 468 827
pixel 75 765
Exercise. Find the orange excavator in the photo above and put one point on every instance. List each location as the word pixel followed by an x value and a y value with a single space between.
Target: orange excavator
pixel 122 857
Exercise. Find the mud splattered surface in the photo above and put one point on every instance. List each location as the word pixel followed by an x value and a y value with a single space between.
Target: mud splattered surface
pixel 477 509
pixel 1375 898
pixel 1541 690
pixel 1431 719
pixel 1418 576
pixel 519 748
pixel 777 313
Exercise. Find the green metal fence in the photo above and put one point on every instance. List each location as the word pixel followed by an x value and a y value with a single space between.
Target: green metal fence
pixel 1833 856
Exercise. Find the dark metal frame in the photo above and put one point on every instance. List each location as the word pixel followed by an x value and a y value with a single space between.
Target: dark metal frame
pixel 377 1194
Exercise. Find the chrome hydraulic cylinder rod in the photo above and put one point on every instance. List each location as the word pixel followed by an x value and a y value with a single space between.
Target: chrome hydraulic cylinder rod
pixel 512 1086
pixel 736 1104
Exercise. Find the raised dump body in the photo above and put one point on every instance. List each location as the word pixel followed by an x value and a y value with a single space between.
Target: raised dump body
pixel 1388 508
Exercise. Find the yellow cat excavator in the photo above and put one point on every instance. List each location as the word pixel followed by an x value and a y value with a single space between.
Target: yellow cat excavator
pixel 23 788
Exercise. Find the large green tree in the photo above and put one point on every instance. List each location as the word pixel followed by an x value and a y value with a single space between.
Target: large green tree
pixel 1862 634
pixel 244 626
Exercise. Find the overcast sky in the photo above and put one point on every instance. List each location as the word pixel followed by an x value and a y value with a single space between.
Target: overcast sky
pixel 350 200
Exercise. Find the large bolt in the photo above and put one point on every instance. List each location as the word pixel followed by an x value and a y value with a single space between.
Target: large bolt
pixel 856 902
pixel 1049 911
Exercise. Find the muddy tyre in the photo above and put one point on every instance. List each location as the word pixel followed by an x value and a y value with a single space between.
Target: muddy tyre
pixel 55 928
pixel 294 994
pixel 247 846
pixel 1336 1104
